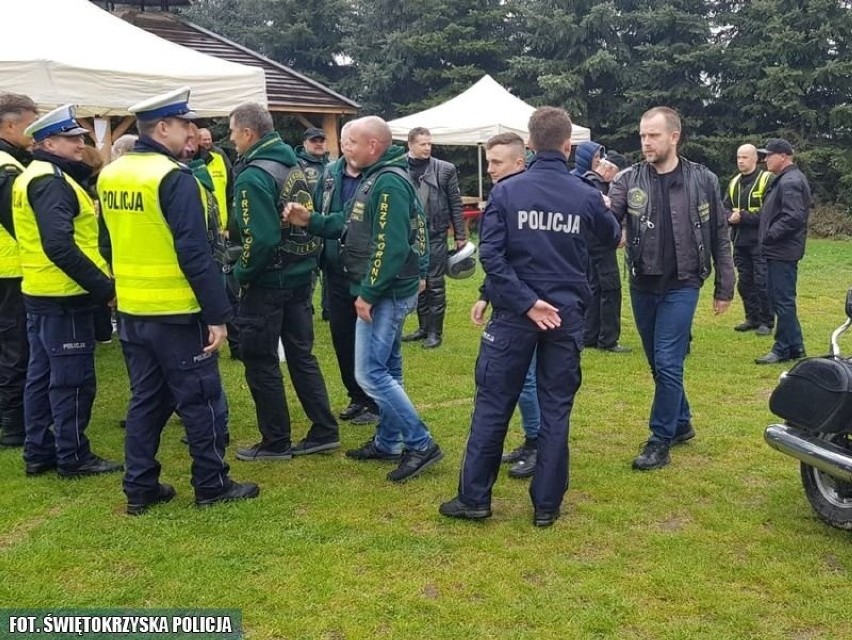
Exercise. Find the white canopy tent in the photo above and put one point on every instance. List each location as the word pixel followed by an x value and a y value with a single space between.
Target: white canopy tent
pixel 74 51
pixel 475 115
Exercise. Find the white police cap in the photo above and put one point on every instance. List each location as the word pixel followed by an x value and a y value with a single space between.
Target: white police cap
pixel 174 104
pixel 59 122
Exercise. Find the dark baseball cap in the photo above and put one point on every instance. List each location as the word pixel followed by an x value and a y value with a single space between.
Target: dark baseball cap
pixel 314 132
pixel 776 145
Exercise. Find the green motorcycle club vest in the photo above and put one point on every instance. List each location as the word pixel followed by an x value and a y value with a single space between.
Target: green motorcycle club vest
pixel 296 243
pixel 10 257
pixel 357 240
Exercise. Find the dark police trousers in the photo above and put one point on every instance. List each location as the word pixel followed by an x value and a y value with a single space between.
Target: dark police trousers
pixel 603 316
pixel 506 349
pixel 266 315
pixel 60 388
pixel 14 354
pixel 169 371
pixel 342 318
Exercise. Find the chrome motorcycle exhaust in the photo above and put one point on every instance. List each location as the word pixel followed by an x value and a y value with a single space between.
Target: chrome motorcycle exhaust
pixel 813 451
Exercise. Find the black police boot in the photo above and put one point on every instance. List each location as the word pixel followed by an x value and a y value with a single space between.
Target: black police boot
pixel 165 493
pixel 234 491
pixel 93 466
pixel 545 518
pixel 455 508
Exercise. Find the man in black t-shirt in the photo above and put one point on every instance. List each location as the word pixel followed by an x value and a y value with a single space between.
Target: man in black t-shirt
pixel 676 230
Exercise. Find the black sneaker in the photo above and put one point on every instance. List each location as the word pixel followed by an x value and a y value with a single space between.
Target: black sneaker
pixel 366 417
pixel 94 466
pixel 165 493
pixel 525 467
pixel 684 432
pixel 455 508
pixel 39 468
pixel 354 409
pixel 543 518
pixel 763 330
pixel 655 455
pixel 369 451
pixel 516 454
pixel 235 491
pixel 414 336
pixel 413 463
pixel 746 326
pixel 257 452
pixel 305 447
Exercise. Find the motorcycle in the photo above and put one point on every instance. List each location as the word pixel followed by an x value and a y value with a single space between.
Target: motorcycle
pixel 814 398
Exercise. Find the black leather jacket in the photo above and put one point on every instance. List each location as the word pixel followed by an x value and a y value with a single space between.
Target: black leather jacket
pixel 442 201
pixel 699 223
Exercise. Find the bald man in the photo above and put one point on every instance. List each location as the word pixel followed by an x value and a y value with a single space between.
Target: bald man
pixel 386 257
pixel 744 198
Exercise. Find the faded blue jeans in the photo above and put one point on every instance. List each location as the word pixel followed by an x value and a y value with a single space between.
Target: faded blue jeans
pixel 528 404
pixel 378 371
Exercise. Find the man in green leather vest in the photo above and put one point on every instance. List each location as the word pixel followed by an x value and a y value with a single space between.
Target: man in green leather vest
pixel 275 271
pixel 386 257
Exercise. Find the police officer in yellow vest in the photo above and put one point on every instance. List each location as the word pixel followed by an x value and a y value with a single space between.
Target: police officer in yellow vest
pixel 743 199
pixel 64 278
pixel 220 171
pixel 17 112
pixel 172 308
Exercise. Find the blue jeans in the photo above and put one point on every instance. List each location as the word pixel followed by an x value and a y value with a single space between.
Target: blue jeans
pixel 378 371
pixel 781 279
pixel 664 322
pixel 528 404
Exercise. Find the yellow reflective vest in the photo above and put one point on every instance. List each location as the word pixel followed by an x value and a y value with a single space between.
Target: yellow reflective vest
pixel 148 277
pixel 753 200
pixel 41 276
pixel 10 259
pixel 219 172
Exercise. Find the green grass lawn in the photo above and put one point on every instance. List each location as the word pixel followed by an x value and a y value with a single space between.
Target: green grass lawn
pixel 721 544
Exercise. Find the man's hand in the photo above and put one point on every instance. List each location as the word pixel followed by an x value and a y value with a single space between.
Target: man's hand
pixel 216 338
pixel 720 306
pixel 112 303
pixel 460 244
pixel 363 309
pixel 735 217
pixel 545 315
pixel 421 286
pixel 477 312
pixel 296 214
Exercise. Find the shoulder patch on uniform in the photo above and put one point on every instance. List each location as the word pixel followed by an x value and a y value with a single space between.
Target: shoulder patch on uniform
pixel 637 197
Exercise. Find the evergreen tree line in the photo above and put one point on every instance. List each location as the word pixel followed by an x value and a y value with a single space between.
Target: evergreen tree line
pixel 736 71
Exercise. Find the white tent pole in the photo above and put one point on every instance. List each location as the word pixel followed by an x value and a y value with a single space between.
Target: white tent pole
pixel 479 162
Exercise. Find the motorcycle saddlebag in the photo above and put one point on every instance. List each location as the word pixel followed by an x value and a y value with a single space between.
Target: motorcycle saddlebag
pixel 816 394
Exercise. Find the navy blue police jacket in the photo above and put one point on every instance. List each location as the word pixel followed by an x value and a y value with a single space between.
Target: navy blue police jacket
pixel 533 239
